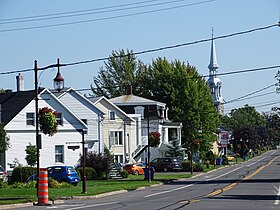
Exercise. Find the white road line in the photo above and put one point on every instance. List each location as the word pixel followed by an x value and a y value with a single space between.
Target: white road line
pixel 277 197
pixel 167 191
pixel 89 206
pixel 183 187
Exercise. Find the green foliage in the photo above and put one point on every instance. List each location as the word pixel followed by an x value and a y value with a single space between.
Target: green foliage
pixel 99 162
pixel 273 124
pixel 124 173
pixel 3 184
pixel 4 139
pixel 175 150
pixel 47 121
pixel 178 85
pixel 31 155
pixel 197 167
pixel 121 68
pixel 89 171
pixel 154 139
pixel 248 128
pixel 52 183
pixel 20 174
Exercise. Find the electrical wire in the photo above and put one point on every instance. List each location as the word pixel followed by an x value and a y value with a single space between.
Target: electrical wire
pixel 102 19
pixel 164 48
pixel 86 12
pixel 257 91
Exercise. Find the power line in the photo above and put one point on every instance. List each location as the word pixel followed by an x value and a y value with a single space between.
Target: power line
pixel 105 18
pixel 166 48
pixel 87 12
pixel 257 91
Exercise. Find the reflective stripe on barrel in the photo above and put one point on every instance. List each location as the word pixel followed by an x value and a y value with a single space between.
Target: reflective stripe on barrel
pixel 43 194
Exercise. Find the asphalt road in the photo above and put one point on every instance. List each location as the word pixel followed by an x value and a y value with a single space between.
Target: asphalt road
pixel 254 184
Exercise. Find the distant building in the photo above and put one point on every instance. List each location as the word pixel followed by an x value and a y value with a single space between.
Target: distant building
pixel 214 82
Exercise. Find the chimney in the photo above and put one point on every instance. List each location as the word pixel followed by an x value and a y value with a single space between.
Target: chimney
pixel 129 89
pixel 20 83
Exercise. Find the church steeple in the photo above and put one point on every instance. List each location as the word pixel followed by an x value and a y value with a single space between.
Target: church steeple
pixel 214 82
pixel 213 65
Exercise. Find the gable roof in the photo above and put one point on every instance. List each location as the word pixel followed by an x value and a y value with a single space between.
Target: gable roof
pixel 96 100
pixel 128 100
pixel 78 95
pixel 13 102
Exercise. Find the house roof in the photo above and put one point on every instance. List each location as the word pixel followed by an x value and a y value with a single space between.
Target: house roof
pixel 73 91
pixel 96 100
pixel 13 102
pixel 128 100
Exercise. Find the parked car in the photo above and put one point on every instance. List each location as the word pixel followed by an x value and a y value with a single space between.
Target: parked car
pixel 64 174
pixel 166 164
pixel 3 174
pixel 61 174
pixel 136 169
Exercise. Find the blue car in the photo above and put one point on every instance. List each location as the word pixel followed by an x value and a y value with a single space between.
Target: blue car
pixel 64 174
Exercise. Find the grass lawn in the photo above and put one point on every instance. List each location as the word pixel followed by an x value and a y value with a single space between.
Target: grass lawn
pixel 93 187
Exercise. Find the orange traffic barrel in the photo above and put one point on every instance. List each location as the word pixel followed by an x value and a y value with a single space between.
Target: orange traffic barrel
pixel 43 193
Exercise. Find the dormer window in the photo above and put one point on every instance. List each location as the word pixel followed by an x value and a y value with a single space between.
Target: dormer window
pixel 112 115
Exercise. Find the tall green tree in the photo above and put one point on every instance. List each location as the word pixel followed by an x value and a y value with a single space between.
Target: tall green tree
pixel 175 83
pixel 188 97
pixel 122 68
pixel 248 126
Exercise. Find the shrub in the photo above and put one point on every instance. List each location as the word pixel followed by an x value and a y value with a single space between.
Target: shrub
pixel 3 184
pixel 197 167
pixel 54 183
pixel 99 162
pixel 90 173
pixel 124 173
pixel 20 174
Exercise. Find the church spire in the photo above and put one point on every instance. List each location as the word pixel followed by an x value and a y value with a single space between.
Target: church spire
pixel 213 65
pixel 214 82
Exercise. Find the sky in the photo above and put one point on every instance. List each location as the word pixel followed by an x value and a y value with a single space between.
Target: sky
pixel 75 31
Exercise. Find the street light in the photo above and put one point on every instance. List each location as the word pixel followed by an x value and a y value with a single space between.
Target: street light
pixel 58 84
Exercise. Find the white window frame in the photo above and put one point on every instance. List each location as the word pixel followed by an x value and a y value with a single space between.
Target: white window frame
pixel 118 158
pixel 59 154
pixel 30 120
pixel 112 115
pixel 116 138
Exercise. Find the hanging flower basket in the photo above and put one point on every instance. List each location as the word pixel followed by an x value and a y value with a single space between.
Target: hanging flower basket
pixel 154 139
pixel 47 121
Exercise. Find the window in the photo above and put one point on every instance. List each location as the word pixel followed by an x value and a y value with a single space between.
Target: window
pixel 116 138
pixel 30 118
pixel 59 118
pixel 118 158
pixel 59 154
pixel 112 115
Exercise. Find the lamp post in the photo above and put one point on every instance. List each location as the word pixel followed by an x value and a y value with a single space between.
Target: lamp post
pixel 58 85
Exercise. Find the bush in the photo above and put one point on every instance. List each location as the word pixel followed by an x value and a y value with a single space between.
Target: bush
pixel 54 183
pixel 197 167
pixel 3 184
pixel 124 173
pixel 99 162
pixel 20 174
pixel 90 173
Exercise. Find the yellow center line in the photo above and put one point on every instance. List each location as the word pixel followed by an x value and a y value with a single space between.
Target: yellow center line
pixel 219 191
